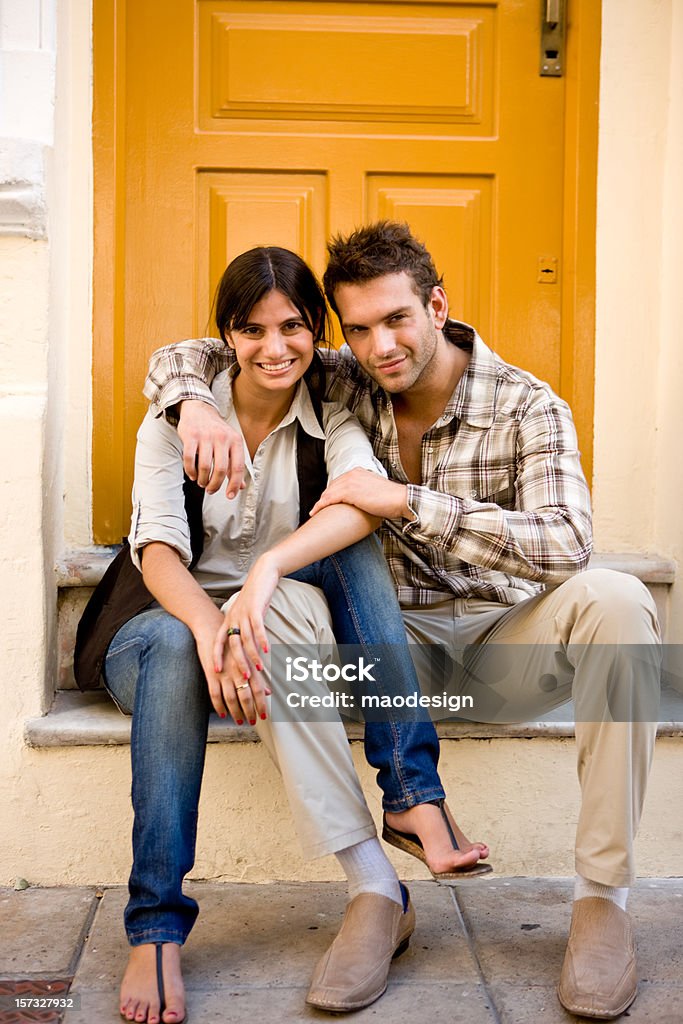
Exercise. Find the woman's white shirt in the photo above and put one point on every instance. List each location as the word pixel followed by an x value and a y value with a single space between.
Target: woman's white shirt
pixel 237 531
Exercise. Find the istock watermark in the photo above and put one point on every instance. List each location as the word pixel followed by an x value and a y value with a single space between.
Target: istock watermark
pixel 368 683
pixel 302 669
pixel 491 683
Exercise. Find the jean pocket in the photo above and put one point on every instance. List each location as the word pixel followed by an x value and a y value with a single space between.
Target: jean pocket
pixel 122 708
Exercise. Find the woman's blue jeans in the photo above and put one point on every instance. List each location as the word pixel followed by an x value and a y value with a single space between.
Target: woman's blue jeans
pixel 152 671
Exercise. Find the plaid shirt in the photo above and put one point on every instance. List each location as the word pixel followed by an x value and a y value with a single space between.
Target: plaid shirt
pixel 503 508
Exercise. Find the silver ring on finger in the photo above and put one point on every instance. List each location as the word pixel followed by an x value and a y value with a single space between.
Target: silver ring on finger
pixel 243 686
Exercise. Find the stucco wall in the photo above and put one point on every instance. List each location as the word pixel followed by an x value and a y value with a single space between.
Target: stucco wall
pixel 638 480
pixel 521 796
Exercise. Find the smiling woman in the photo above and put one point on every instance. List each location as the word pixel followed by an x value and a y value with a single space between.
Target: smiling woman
pixel 178 657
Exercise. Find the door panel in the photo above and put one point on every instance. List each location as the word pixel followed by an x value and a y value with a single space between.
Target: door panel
pixel 346 62
pixel 237 210
pixel 245 122
pixel 455 214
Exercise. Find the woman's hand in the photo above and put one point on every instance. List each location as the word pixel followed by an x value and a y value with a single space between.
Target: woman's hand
pixel 247 613
pixel 226 683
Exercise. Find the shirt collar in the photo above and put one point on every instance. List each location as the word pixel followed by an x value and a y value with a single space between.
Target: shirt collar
pixel 301 408
pixel 474 398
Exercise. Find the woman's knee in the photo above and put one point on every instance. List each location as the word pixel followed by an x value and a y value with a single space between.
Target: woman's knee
pixel 171 639
pixel 299 614
pixel 156 646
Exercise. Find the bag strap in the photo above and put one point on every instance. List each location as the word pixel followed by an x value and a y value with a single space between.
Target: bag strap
pixel 121 594
pixel 311 470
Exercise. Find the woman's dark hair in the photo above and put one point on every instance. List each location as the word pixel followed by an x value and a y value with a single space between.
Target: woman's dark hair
pixel 267 268
pixel 259 271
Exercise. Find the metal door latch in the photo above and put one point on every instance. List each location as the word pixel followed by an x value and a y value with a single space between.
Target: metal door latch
pixel 552 38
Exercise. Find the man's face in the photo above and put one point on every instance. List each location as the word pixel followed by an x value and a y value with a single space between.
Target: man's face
pixel 389 331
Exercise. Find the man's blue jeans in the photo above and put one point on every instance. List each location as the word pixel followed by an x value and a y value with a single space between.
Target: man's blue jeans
pixel 153 671
pixel 365 612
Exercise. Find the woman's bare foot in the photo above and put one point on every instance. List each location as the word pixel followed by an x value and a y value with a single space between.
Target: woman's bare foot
pixel 139 999
pixel 426 822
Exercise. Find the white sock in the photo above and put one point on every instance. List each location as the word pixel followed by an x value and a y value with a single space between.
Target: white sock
pixel 368 869
pixel 614 893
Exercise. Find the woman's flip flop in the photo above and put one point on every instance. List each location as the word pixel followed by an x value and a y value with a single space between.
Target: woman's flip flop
pixel 160 984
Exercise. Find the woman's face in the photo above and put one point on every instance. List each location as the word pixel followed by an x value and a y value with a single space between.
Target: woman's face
pixel 275 348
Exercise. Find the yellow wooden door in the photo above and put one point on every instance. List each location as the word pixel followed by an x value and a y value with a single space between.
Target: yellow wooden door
pixel 222 124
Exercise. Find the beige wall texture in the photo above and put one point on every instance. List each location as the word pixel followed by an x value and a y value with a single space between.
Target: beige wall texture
pixel 65 813
pixel 638 475
pixel 520 796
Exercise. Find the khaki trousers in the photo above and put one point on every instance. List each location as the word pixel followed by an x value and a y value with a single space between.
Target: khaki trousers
pixel 596 638
pixel 314 758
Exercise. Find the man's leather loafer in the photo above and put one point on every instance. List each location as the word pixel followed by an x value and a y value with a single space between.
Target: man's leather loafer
pixel 353 972
pixel 599 972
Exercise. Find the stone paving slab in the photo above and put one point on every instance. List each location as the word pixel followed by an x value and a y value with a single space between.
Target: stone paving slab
pixel 525 1004
pixel 253 950
pixel 246 933
pixel 519 927
pixel 656 907
pixel 519 930
pixel 420 1004
pixel 41 930
pixel 439 1003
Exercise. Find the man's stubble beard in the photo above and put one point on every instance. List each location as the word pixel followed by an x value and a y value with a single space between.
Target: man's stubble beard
pixel 429 342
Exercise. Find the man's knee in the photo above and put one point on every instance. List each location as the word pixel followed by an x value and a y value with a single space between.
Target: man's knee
pixel 616 605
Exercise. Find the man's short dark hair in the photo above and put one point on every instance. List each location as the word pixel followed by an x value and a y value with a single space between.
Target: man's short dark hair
pixel 378 249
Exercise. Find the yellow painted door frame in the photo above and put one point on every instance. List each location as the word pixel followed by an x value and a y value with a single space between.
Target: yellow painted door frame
pixel 577 280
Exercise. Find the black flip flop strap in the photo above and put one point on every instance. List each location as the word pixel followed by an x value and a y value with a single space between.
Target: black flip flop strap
pixel 440 804
pixel 160 979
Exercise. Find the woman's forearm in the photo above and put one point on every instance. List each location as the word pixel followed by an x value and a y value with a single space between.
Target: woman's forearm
pixel 175 588
pixel 332 529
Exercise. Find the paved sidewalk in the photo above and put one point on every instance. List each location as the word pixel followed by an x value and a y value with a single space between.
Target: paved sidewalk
pixel 488 952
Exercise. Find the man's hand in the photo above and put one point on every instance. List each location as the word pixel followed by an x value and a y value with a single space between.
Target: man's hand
pixel 369 492
pixel 212 449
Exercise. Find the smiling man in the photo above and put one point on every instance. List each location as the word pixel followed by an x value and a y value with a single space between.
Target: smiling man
pixel 487 531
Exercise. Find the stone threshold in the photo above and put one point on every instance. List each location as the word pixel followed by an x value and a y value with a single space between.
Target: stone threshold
pixel 84 567
pixel 92 719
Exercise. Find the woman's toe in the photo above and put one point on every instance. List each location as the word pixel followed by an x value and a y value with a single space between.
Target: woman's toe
pixel 172 1015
